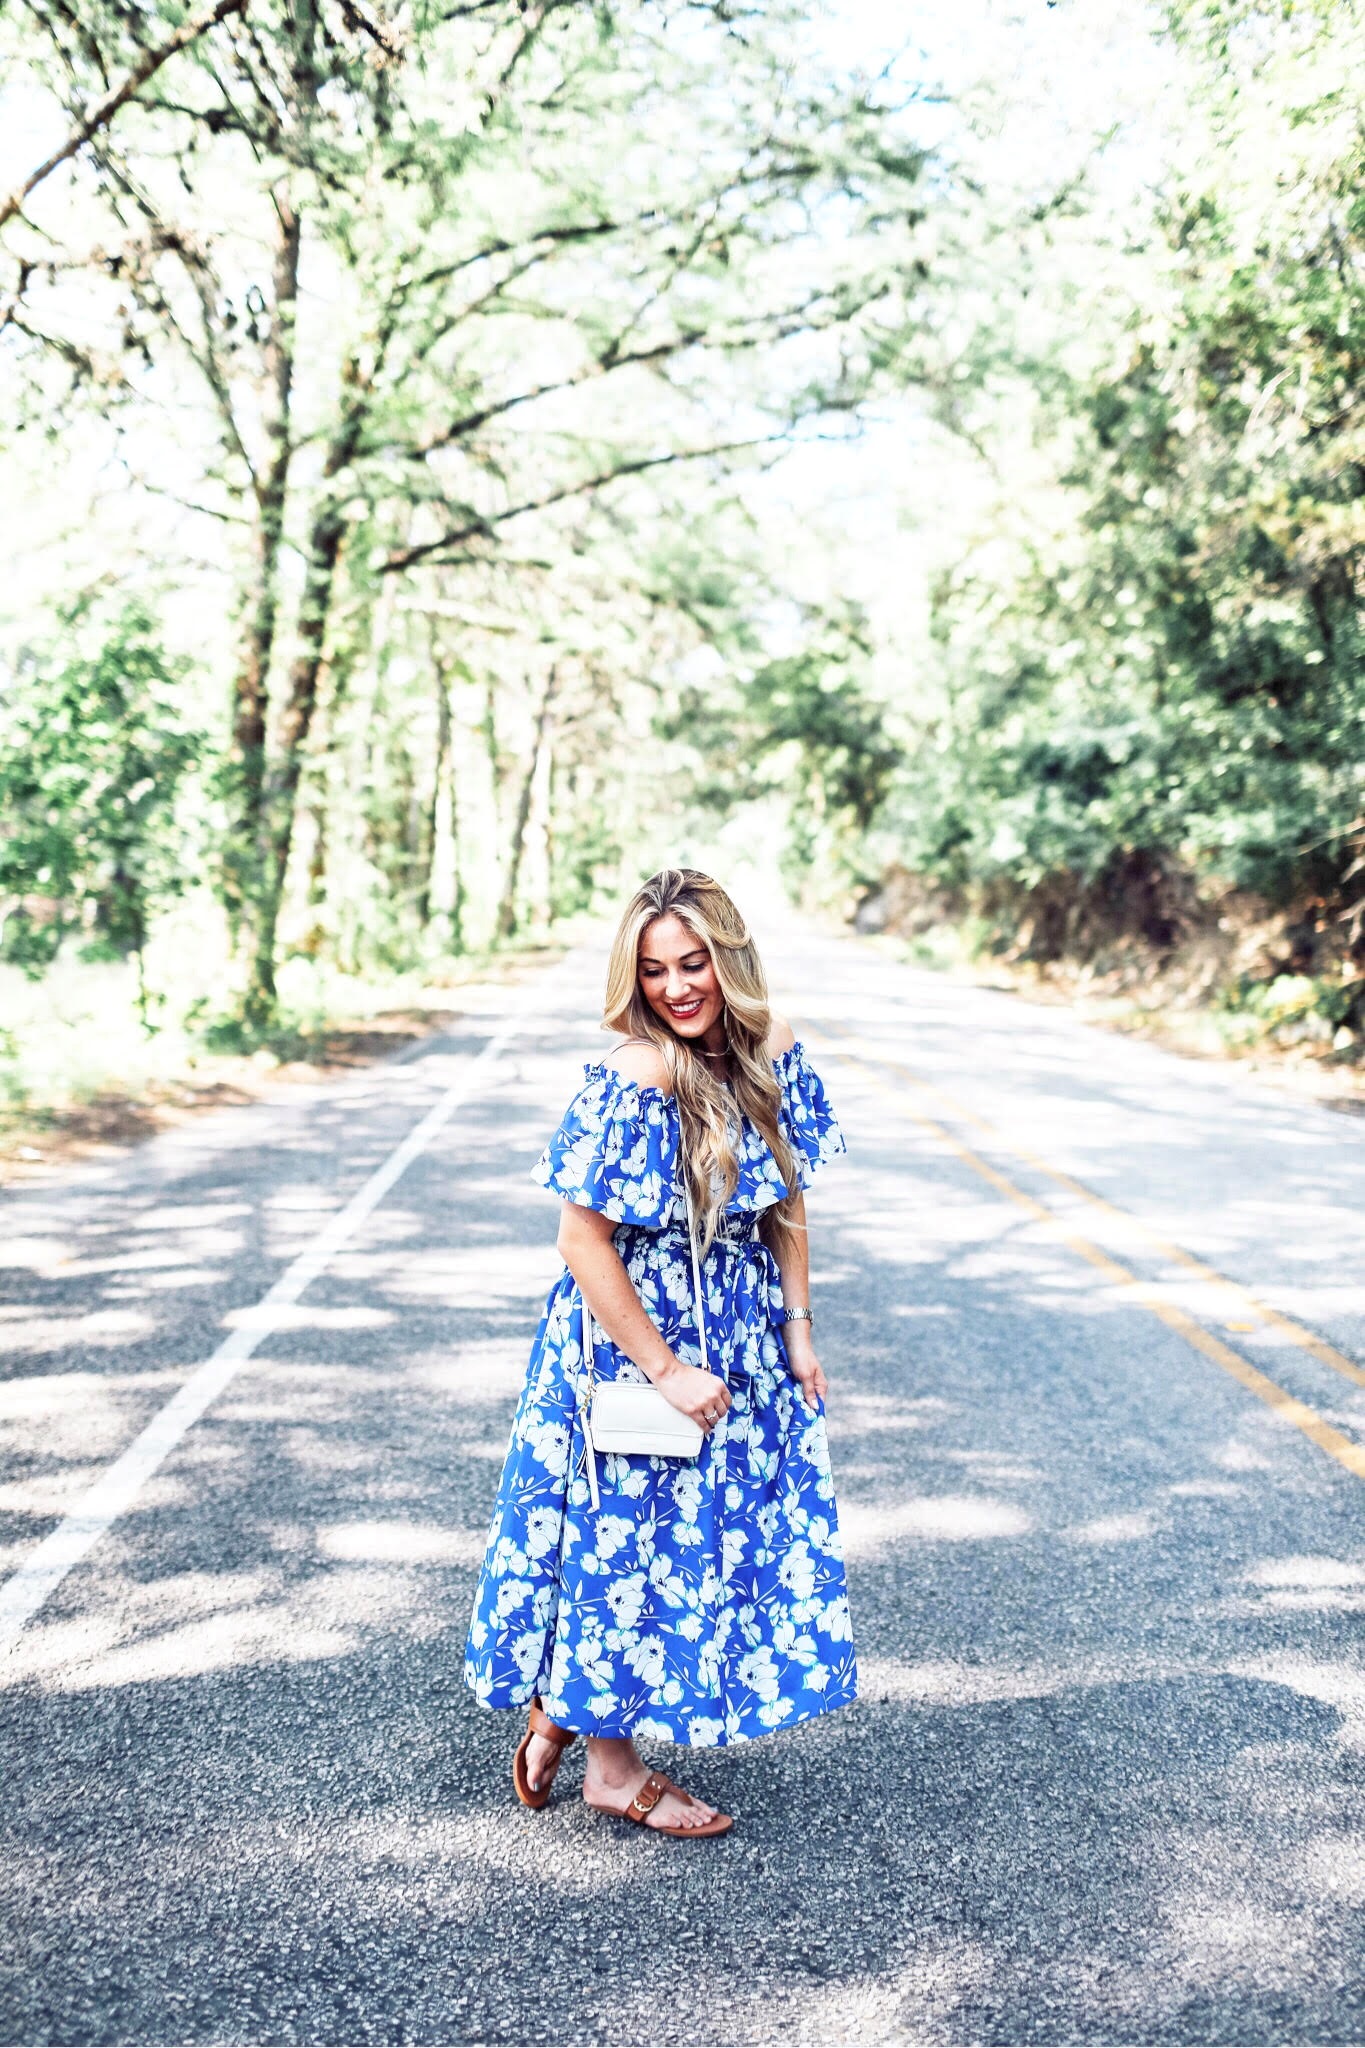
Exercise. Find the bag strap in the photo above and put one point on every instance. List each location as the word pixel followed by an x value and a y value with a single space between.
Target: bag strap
pixel 590 1368
pixel 590 1335
pixel 697 1295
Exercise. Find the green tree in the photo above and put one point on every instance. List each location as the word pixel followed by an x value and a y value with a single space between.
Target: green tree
pixel 1167 693
pixel 430 289
pixel 93 749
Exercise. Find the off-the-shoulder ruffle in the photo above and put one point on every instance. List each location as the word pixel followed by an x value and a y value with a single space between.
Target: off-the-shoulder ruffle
pixel 616 1150
pixel 808 1123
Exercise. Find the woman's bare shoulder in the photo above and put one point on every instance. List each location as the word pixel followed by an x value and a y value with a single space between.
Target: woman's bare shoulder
pixel 781 1037
pixel 639 1061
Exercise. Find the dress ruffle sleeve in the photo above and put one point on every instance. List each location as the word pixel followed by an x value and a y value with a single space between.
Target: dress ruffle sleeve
pixel 615 1151
pixel 808 1122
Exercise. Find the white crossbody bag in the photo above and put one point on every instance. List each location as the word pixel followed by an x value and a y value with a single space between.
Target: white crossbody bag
pixel 623 1415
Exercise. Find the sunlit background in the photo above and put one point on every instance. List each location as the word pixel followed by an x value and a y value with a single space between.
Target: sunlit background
pixel 454 464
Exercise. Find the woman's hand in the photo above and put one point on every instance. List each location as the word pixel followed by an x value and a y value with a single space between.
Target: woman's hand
pixel 698 1395
pixel 806 1368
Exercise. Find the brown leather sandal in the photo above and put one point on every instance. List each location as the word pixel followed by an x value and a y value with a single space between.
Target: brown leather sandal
pixel 539 1724
pixel 648 1797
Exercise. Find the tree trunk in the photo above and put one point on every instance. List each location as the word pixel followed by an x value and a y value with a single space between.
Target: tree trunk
pixel 458 895
pixel 325 540
pixel 507 909
pixel 324 551
pixel 432 821
pixel 550 847
pixel 244 857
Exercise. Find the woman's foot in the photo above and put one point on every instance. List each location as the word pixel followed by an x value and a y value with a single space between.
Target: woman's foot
pixel 537 1757
pixel 616 1772
pixel 542 1761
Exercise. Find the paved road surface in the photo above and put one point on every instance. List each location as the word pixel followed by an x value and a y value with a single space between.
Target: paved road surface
pixel 1091 1312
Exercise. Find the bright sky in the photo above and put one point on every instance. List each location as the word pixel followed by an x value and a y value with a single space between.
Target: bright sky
pixel 1067 71
pixel 1041 86
pixel 1038 84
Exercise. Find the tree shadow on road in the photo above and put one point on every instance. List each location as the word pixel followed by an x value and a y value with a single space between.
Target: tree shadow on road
pixel 1103 1782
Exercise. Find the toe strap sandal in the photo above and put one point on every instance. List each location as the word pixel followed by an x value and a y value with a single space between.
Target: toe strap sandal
pixel 655 1788
pixel 539 1724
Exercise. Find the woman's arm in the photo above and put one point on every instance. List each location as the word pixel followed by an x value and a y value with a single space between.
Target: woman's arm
pixel 791 1249
pixel 585 1245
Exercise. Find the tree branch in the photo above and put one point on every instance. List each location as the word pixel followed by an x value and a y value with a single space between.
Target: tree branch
pixel 811 315
pixel 103 111
pixel 205 286
pixel 483 527
pixel 470 422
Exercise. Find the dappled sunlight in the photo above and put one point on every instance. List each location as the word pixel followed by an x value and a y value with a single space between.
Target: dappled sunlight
pixel 190 1216
pixel 516 1855
pixel 193 1624
pixel 401 1543
pixel 224 1642
pixel 1240 1456
pixel 916 1999
pixel 878 1412
pixel 874 1532
pixel 101 1329
pixel 389 1227
pixel 476 1276
pixel 1310 1585
pixel 914 1237
pixel 1205 1489
pixel 1091 1663
pixel 1112 1529
pixel 318 1451
pixel 522 1197
pixel 1076 1293
pixel 307 1315
pixel 1347 1415
pixel 194 1248
pixel 1017 1258
pixel 996 1467
pixel 75 1397
pixel 1305 1572
pixel 1302 1600
pixel 484 1371
pixel 1338 1685
pixel 152 1260
pixel 958 1683
pixel 48 1494
pixel 458 1854
pixel 1234 1938
pixel 1332 1866
pixel 41 1256
pixel 164 1280
pixel 59 1429
pixel 305 1200
pixel 1124 1122
pixel 308 1386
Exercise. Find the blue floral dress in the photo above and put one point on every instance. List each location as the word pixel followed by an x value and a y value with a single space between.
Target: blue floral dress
pixel 704 1601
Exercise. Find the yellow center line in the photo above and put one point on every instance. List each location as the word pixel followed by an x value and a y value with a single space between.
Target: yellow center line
pixel 1348 1454
pixel 1306 1340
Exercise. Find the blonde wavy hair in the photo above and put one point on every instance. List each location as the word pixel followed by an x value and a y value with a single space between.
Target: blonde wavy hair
pixel 706 1109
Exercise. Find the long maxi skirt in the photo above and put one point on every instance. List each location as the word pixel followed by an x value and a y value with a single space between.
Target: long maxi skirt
pixel 704 1601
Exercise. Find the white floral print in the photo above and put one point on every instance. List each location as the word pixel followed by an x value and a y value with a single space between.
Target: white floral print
pixel 704 1602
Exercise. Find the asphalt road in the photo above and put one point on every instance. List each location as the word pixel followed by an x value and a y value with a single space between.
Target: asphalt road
pixel 1091 1314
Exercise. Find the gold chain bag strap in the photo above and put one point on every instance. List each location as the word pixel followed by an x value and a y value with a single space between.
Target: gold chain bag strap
pixel 623 1415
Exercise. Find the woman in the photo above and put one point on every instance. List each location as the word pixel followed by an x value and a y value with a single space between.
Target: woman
pixel 698 1601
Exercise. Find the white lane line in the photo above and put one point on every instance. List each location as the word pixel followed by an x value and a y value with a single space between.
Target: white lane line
pixel 24 1592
